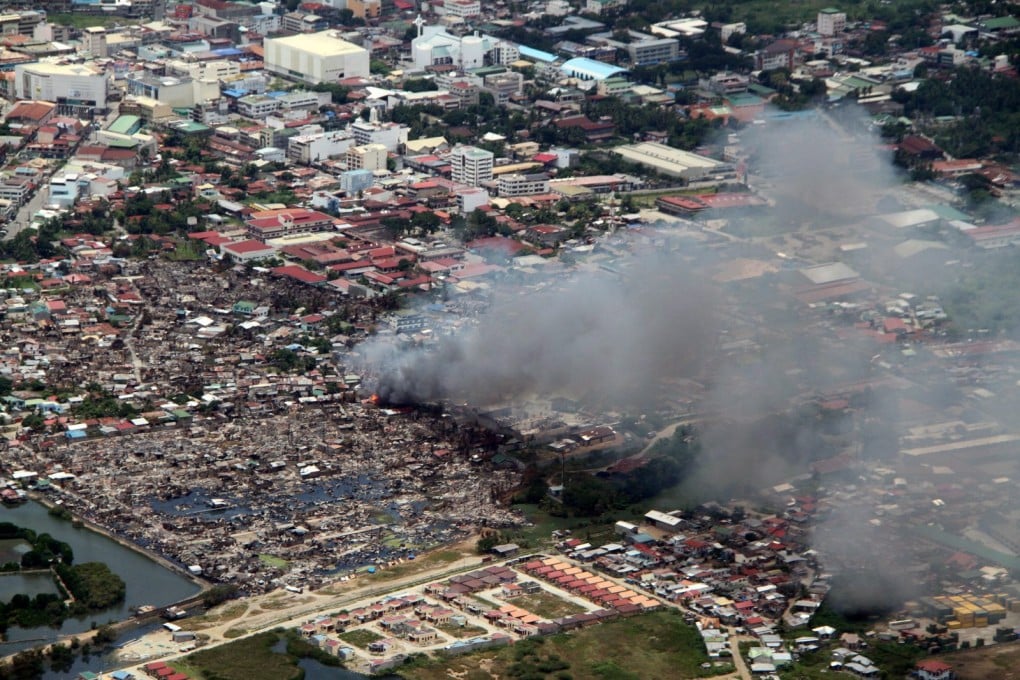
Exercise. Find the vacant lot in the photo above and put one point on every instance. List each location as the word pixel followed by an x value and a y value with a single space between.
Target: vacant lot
pixel 655 645
pixel 547 605
pixel 995 662
pixel 249 659
pixel 360 637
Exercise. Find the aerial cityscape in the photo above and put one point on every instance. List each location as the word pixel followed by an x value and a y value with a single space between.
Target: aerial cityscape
pixel 566 339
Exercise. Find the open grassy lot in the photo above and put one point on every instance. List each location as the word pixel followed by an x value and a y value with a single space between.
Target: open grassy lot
pixel 654 645
pixel 360 637
pixel 993 662
pixel 248 659
pixel 547 605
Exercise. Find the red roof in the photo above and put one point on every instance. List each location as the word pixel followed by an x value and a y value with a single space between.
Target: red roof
pixel 933 666
pixel 249 246
pixel 299 274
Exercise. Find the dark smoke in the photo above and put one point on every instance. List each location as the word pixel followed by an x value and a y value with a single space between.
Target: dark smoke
pixel 601 338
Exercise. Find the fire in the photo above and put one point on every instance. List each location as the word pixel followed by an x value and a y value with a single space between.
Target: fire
pixel 373 400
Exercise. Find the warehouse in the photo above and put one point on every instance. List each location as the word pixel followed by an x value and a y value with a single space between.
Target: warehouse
pixel 316 58
pixel 674 162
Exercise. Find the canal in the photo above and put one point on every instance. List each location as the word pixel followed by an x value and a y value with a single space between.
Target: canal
pixel 146 581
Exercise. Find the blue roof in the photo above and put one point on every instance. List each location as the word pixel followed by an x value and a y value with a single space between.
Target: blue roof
pixel 234 93
pixel 75 434
pixel 276 93
pixel 227 52
pixel 532 53
pixel 590 68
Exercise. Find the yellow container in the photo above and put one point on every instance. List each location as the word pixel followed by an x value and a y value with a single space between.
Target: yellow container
pixel 953 625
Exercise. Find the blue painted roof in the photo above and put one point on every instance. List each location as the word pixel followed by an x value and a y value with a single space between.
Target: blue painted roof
pixel 532 53
pixel 234 93
pixel 591 68
pixel 227 52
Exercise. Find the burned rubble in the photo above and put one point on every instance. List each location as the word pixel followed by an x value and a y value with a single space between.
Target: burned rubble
pixel 177 423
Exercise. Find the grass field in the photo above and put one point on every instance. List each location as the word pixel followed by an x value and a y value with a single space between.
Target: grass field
pixel 273 561
pixel 360 637
pixel 654 645
pixel 226 613
pixel 547 605
pixel 86 20
pixel 248 659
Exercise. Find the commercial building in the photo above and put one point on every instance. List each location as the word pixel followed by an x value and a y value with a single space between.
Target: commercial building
pixel 270 224
pixel 76 89
pixel 366 157
pixel 63 190
pixel 831 21
pixel 319 146
pixel 390 135
pixel 519 184
pixel 471 165
pixel 463 9
pixel 316 57
pixel 673 162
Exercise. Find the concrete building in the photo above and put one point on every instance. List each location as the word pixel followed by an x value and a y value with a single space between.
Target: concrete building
pixel 270 224
pixel 435 47
pixel 365 9
pixel 353 181
pixel 519 184
pixel 831 21
pixel 470 200
pixel 182 91
pixel 76 89
pixel 390 135
pixel 257 106
pixel 366 157
pixel 93 41
pixel 604 6
pixel 653 51
pixel 63 190
pixel 462 9
pixel 315 58
pixel 319 146
pixel 471 165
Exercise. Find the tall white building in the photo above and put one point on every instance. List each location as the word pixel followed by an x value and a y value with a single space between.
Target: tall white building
pixel 76 89
pixel 831 21
pixel 316 58
pixel 471 165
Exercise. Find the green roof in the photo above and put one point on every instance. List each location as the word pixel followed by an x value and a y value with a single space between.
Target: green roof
pixel 125 125
pixel 741 99
pixel 829 10
pixel 122 143
pixel 1000 23
pixel 947 212
pixel 761 90
pixel 191 127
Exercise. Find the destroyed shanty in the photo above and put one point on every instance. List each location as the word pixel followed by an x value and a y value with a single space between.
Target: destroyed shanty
pixel 208 416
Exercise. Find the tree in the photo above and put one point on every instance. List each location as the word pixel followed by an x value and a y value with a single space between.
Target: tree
pixel 426 222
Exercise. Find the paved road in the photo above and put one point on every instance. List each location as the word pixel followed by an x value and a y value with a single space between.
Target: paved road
pixel 23 219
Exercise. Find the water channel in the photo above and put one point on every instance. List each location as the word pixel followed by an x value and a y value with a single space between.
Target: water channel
pixel 146 581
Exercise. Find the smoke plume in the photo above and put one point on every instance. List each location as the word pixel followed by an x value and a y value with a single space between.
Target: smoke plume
pixel 599 337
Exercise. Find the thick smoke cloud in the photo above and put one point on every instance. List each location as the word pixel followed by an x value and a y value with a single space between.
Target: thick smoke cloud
pixel 599 337
pixel 824 168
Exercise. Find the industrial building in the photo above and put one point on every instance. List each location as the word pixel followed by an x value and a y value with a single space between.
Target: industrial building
pixel 673 162
pixel 316 57
pixel 583 68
